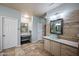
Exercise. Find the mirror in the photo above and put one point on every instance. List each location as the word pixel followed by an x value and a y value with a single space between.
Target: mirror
pixel 24 27
pixel 56 26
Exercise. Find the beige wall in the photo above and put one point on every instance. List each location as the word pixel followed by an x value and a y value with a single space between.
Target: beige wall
pixel 48 28
pixel 71 26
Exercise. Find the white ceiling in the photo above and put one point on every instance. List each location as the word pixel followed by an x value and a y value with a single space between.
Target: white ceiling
pixel 32 9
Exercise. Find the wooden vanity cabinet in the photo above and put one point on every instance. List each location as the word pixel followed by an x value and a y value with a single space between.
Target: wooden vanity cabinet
pixel 55 48
pixel 68 50
pixel 47 45
pixel 52 47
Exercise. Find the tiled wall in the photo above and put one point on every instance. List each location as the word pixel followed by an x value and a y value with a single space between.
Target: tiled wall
pixel 71 26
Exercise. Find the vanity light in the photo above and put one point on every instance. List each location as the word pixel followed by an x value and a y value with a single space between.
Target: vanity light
pixel 61 15
pixel 52 17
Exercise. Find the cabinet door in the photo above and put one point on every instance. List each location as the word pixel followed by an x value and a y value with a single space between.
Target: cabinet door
pixel 47 45
pixel 55 48
pixel 68 51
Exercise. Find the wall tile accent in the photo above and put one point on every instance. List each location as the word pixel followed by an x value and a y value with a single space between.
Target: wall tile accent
pixel 71 26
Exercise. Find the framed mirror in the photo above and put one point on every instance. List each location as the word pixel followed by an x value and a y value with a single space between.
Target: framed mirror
pixel 56 26
pixel 24 27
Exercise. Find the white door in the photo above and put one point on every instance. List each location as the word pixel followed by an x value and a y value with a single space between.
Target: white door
pixel 10 29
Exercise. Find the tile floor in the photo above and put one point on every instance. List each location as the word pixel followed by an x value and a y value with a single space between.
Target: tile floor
pixel 29 49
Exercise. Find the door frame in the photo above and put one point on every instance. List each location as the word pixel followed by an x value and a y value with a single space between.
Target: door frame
pixel 18 43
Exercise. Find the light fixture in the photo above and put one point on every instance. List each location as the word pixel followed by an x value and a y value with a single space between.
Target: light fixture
pixel 26 24
pixel 52 17
pixel 26 16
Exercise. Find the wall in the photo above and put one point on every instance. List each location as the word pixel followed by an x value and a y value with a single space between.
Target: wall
pixel 40 28
pixel 71 26
pixel 0 33
pixel 30 24
pixel 34 29
pixel 47 27
pixel 5 11
pixel 70 15
pixel 27 20
pixel 37 28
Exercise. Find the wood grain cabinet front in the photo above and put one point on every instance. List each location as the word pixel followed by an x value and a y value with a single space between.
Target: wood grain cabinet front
pixel 68 51
pixel 55 48
pixel 58 49
pixel 47 45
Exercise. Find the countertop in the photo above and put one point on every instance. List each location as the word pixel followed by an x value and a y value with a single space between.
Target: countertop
pixel 25 34
pixel 70 43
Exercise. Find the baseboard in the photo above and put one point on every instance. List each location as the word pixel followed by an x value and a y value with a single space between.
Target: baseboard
pixel 35 41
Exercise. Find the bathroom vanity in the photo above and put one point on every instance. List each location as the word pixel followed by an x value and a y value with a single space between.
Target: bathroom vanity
pixel 25 38
pixel 60 47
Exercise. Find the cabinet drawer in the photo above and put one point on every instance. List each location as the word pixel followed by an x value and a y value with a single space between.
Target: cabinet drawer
pixel 68 51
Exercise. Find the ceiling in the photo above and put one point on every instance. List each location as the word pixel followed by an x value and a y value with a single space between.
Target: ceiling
pixel 32 9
